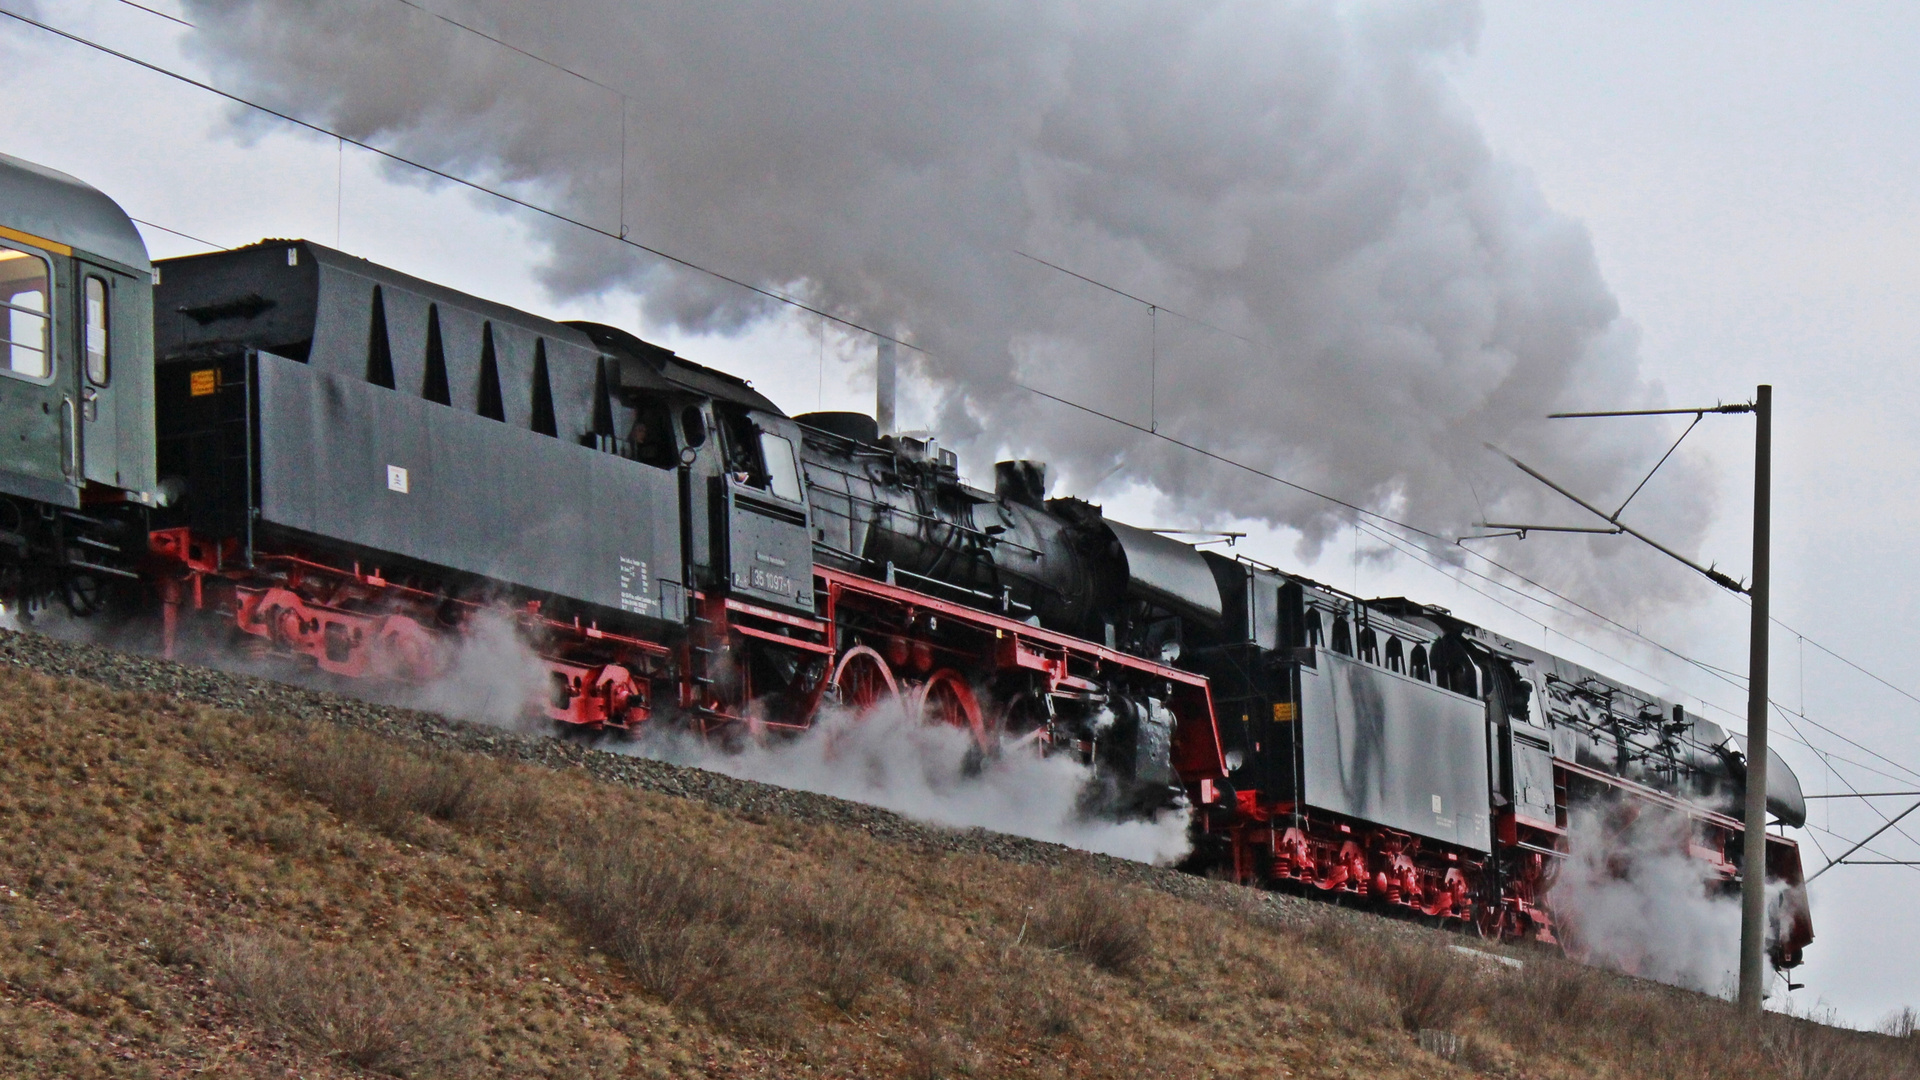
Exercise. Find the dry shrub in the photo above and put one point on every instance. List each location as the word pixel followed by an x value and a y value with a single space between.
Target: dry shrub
pixel 1558 988
pixel 734 947
pixel 1427 984
pixel 387 787
pixel 336 1006
pixel 173 943
pixel 676 925
pixel 1424 984
pixel 1096 922
pixel 1814 1047
pixel 859 940
pixel 930 1056
pixel 1484 1055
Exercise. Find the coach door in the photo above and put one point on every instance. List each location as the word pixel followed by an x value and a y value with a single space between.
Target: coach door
pixel 109 332
pixel 37 435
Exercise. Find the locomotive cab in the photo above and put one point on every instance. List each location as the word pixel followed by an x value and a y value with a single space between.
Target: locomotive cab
pixel 768 552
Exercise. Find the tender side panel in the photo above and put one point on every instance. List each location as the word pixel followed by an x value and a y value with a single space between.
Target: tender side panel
pixel 388 471
pixel 201 410
pixel 1389 749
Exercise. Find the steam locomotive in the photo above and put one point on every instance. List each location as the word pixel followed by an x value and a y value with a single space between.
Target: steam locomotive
pixel 334 462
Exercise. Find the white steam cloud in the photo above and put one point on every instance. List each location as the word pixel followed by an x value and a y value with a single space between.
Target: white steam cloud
pixel 488 674
pixel 1629 897
pixel 931 773
pixel 1302 176
pixel 492 674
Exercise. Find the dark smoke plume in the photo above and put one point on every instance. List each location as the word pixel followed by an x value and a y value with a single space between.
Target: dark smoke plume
pixel 1388 295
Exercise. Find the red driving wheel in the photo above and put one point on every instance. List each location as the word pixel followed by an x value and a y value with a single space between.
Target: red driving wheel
pixel 947 698
pixel 862 679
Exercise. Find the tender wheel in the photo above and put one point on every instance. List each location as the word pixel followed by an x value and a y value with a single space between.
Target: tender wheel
pixel 404 651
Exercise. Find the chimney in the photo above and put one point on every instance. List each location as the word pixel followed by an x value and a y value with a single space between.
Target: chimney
pixel 1021 482
pixel 884 374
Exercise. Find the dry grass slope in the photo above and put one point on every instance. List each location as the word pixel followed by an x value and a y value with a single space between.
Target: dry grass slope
pixel 192 892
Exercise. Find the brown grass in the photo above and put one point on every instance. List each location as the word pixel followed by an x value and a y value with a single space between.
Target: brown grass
pixel 744 951
pixel 188 892
pixel 336 1005
pixel 1095 922
pixel 391 788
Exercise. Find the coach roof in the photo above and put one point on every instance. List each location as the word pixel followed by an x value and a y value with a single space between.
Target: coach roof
pixel 54 206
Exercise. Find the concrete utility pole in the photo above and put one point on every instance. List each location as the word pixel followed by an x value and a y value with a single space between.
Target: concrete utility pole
pixel 1753 858
pixel 1753 862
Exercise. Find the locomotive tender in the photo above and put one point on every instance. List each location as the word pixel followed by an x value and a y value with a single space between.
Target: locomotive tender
pixel 333 461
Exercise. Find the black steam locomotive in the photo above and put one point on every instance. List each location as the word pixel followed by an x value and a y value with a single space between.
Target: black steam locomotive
pixel 334 462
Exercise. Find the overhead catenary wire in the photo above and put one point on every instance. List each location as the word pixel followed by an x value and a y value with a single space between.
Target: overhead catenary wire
pixel 161 14
pixel 1889 860
pixel 454 178
pixel 429 12
pixel 178 233
pixel 622 236
pixel 1727 676
pixel 1149 304
pixel 793 302
pixel 508 45
pixel 1798 737
pixel 1788 717
pixel 880 335
pixel 1842 858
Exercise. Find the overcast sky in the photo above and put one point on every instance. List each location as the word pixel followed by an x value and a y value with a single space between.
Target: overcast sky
pixel 1745 172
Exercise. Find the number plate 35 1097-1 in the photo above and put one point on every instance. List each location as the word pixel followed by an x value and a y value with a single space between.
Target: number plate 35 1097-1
pixel 773 583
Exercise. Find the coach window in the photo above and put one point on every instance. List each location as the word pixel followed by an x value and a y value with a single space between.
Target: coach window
pixel 1342 636
pixel 94 330
pixel 1314 628
pixel 783 475
pixel 1394 657
pixel 1369 645
pixel 24 285
pixel 1417 664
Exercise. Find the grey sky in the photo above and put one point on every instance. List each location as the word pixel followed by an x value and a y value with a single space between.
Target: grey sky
pixel 1745 172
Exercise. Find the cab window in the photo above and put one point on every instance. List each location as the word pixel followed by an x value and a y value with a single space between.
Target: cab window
pixel 25 281
pixel 94 330
pixel 783 475
pixel 650 436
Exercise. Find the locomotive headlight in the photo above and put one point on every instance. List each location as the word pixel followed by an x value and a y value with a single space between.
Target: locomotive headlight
pixel 1235 759
pixel 171 491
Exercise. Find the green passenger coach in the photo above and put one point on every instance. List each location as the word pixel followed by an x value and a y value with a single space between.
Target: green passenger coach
pixel 76 377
